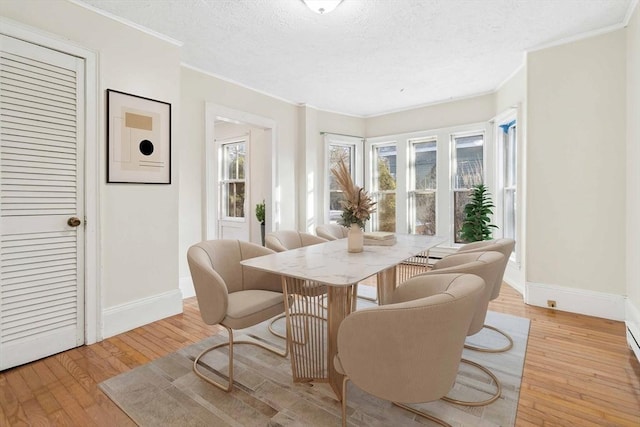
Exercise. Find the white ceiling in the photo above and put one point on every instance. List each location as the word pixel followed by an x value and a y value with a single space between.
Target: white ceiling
pixel 367 57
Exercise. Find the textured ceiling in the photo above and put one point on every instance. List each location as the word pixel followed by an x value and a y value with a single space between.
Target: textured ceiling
pixel 367 57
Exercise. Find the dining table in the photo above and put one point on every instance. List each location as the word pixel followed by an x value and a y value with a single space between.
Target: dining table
pixel 322 282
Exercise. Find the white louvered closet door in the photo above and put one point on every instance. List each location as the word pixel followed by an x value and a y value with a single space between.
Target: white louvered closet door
pixel 41 177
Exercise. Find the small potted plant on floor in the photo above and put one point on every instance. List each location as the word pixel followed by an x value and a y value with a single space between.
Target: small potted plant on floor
pixel 260 210
pixel 476 225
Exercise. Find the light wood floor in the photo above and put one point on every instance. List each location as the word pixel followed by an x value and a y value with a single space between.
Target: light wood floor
pixel 578 372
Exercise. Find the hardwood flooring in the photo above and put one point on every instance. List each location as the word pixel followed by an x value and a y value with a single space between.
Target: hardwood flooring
pixel 578 372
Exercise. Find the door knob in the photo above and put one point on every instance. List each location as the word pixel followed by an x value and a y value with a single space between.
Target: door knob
pixel 74 221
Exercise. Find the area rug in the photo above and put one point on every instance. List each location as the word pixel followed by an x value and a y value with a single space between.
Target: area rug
pixel 166 392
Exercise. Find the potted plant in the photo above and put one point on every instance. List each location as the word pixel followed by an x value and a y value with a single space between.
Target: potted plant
pixel 260 211
pixel 476 225
pixel 357 207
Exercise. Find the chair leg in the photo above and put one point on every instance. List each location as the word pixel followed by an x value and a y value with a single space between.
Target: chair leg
pixel 423 414
pixel 492 399
pixel 344 400
pixel 227 387
pixel 493 350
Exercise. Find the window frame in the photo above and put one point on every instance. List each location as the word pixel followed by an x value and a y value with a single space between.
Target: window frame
pixel 356 145
pixel 444 193
pixel 222 181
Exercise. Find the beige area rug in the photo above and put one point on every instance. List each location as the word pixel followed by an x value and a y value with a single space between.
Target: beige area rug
pixel 166 392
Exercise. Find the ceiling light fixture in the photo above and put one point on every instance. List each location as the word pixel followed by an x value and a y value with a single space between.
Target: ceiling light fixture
pixel 322 6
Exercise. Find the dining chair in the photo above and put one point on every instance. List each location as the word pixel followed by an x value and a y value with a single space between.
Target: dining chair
pixel 486 265
pixel 505 246
pixel 231 295
pixel 332 231
pixel 408 351
pixel 284 240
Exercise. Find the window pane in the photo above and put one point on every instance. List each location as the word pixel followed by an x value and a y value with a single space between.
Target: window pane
pixel 336 153
pixel 234 157
pixel 425 169
pixel 469 165
pixel 385 157
pixel 460 200
pixel 234 197
pixel 424 208
pixel 509 214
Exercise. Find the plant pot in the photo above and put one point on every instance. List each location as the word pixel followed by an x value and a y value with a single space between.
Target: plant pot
pixel 262 232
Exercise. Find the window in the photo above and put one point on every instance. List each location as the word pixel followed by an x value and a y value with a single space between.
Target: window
pixel 423 186
pixel 338 148
pixel 232 181
pixel 507 135
pixel 468 171
pixel 384 188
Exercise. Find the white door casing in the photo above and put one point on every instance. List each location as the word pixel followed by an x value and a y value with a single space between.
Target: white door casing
pixel 41 187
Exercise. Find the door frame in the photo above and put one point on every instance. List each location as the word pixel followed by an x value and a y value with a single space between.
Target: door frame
pixel 215 112
pixel 92 284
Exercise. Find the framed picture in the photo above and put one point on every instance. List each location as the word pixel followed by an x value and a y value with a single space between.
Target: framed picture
pixel 138 139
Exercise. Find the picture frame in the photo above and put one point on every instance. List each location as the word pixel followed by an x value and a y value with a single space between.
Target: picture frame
pixel 138 139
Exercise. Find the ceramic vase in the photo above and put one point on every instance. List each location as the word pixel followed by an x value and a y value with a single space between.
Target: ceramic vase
pixel 355 238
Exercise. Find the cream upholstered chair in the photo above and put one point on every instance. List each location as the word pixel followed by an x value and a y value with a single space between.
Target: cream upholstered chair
pixel 231 295
pixel 285 240
pixel 486 265
pixel 505 247
pixel 332 231
pixel 409 351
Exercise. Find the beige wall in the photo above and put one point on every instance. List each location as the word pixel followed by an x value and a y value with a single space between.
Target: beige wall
pixel 454 113
pixel 575 165
pixel 197 89
pixel 633 171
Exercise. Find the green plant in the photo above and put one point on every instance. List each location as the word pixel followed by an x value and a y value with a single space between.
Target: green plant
pixel 260 207
pixel 475 226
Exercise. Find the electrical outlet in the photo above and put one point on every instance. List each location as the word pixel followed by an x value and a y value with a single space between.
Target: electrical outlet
pixel 551 303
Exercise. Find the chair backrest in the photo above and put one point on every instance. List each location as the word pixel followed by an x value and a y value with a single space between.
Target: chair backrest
pixel 216 272
pixel 285 240
pixel 486 265
pixel 504 246
pixel 409 351
pixel 332 231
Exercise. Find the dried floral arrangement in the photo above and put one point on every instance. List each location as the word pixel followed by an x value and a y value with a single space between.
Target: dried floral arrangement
pixel 357 205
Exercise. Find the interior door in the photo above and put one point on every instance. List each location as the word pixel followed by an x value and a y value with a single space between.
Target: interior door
pixel 41 202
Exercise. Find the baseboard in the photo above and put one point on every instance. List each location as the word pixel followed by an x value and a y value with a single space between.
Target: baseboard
pixel 124 317
pixel 632 323
pixel 513 277
pixel 590 303
pixel 186 287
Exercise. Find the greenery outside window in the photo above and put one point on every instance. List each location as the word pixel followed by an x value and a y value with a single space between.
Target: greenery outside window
pixel 423 185
pixel 384 188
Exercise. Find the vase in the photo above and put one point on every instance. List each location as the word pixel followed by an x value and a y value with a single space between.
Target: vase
pixel 355 239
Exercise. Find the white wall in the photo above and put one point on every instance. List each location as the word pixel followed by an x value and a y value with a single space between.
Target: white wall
pixel 633 177
pixel 576 134
pixel 138 223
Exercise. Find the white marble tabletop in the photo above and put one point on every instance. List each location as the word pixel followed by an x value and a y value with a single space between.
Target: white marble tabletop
pixel 330 263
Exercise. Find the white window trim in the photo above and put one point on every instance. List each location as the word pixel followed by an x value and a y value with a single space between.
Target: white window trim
pixel 445 156
pixel 350 141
